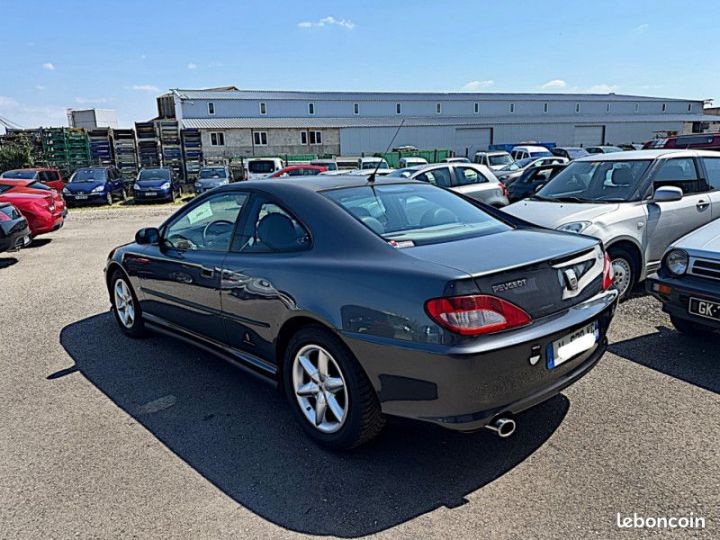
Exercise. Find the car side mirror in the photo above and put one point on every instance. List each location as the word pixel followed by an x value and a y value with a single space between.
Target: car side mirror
pixel 667 194
pixel 148 235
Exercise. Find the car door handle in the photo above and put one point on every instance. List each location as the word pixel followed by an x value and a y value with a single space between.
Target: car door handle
pixel 207 272
pixel 702 205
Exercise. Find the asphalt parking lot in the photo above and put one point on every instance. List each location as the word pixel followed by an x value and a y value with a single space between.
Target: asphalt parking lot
pixel 105 437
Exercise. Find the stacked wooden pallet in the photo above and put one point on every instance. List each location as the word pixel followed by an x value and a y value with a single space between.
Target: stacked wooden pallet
pixel 147 144
pixel 192 152
pixel 125 151
pixel 171 148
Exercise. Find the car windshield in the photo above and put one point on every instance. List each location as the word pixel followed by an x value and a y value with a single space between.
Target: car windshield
pixel 154 174
pixel 373 164
pixel 516 165
pixel 541 153
pixel 261 166
pixel 411 214
pixel 402 173
pixel 500 159
pixel 217 172
pixel 19 175
pixel 596 181
pixel 88 175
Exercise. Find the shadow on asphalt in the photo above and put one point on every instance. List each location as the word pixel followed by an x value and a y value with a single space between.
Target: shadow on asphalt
pixel 38 242
pixel 688 358
pixel 239 433
pixel 7 261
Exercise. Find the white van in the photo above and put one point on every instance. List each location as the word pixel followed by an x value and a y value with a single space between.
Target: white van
pixel 412 162
pixel 256 168
pixel 522 152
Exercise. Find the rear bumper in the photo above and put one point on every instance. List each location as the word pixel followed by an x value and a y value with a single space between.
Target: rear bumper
pixel 85 198
pixel 157 195
pixel 14 238
pixel 676 303
pixel 465 387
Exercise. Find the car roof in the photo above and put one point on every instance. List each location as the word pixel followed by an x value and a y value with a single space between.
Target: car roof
pixel 530 147
pixel 320 182
pixel 648 154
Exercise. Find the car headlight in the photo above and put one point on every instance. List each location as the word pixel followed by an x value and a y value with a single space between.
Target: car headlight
pixel 98 189
pixel 198 185
pixel 223 182
pixel 136 186
pixel 166 185
pixel 676 261
pixel 575 227
pixel 66 191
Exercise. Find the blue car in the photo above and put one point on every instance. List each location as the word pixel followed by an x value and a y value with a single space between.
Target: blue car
pixel 98 185
pixel 156 185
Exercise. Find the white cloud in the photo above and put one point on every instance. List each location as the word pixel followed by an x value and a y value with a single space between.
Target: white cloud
pixel 90 101
pixel 641 29
pixel 144 88
pixel 40 87
pixel 555 84
pixel 7 102
pixel 328 21
pixel 476 86
pixel 49 66
pixel 192 66
pixel 601 89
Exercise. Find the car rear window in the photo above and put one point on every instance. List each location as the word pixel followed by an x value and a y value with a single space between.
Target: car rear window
pixel 154 174
pixel 412 214
pixel 261 166
pixel 10 212
pixel 19 175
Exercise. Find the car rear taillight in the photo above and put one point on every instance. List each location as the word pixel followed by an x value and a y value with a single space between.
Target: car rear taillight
pixel 476 314
pixel 608 274
pixel 503 187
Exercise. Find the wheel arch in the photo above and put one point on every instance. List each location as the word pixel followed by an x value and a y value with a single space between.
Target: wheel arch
pixel 113 267
pixel 632 247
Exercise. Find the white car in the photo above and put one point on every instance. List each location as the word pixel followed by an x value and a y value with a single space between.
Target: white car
pixel 636 202
pixel 371 163
pixel 494 159
pixel 528 151
pixel 256 168
pixel 412 162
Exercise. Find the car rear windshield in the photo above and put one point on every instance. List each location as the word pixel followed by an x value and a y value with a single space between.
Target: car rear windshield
pixel 261 166
pixel 39 185
pixel 372 164
pixel 415 214
pixel 89 175
pixel 154 174
pixel 596 181
pixel 212 173
pixel 19 175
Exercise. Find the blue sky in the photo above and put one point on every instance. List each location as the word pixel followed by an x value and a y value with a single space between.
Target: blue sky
pixel 120 55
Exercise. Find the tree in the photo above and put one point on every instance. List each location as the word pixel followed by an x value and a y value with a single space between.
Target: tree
pixel 16 154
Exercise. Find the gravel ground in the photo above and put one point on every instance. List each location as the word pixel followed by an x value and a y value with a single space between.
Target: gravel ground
pixel 106 437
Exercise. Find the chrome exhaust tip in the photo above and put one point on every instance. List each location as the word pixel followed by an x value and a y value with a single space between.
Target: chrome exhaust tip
pixel 502 427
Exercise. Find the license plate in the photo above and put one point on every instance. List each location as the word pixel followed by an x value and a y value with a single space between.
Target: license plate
pixel 150 194
pixel 27 240
pixel 81 197
pixel 704 308
pixel 562 350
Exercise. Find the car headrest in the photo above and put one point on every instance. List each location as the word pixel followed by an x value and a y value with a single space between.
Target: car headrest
pixel 622 177
pixel 360 212
pixel 277 231
pixel 373 224
pixel 437 216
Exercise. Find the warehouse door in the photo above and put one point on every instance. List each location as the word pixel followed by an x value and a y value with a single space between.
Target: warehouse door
pixel 589 135
pixel 470 140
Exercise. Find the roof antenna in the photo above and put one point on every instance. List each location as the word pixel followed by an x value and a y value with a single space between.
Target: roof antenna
pixel 371 178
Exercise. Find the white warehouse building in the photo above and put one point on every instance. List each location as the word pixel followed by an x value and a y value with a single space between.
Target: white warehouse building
pixel 236 123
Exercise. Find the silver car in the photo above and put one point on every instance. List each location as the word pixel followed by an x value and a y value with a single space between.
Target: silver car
pixel 212 176
pixel 476 181
pixel 636 202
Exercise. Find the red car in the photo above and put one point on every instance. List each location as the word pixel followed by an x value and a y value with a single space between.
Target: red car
pixel 38 208
pixel 298 170
pixel 34 187
pixel 49 177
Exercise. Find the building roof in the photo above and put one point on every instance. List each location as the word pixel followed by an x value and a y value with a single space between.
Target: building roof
pixel 187 94
pixel 393 121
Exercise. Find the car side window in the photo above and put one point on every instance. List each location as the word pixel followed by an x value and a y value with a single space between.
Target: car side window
pixel 439 177
pixel 468 175
pixel 682 173
pixel 207 226
pixel 271 229
pixel 712 167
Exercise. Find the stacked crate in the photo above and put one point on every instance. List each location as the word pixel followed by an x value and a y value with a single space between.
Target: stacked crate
pixel 147 144
pixel 192 152
pixel 172 155
pixel 66 148
pixel 125 151
pixel 101 147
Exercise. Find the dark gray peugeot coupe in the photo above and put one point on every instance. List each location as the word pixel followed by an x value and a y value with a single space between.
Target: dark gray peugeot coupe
pixel 362 299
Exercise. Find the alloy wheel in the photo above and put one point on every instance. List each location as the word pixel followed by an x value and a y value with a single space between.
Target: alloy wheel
pixel 124 303
pixel 622 271
pixel 320 388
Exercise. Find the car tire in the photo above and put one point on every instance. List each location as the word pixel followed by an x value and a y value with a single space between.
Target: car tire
pixel 123 194
pixel 109 199
pixel 625 271
pixel 343 386
pixel 690 328
pixel 123 297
